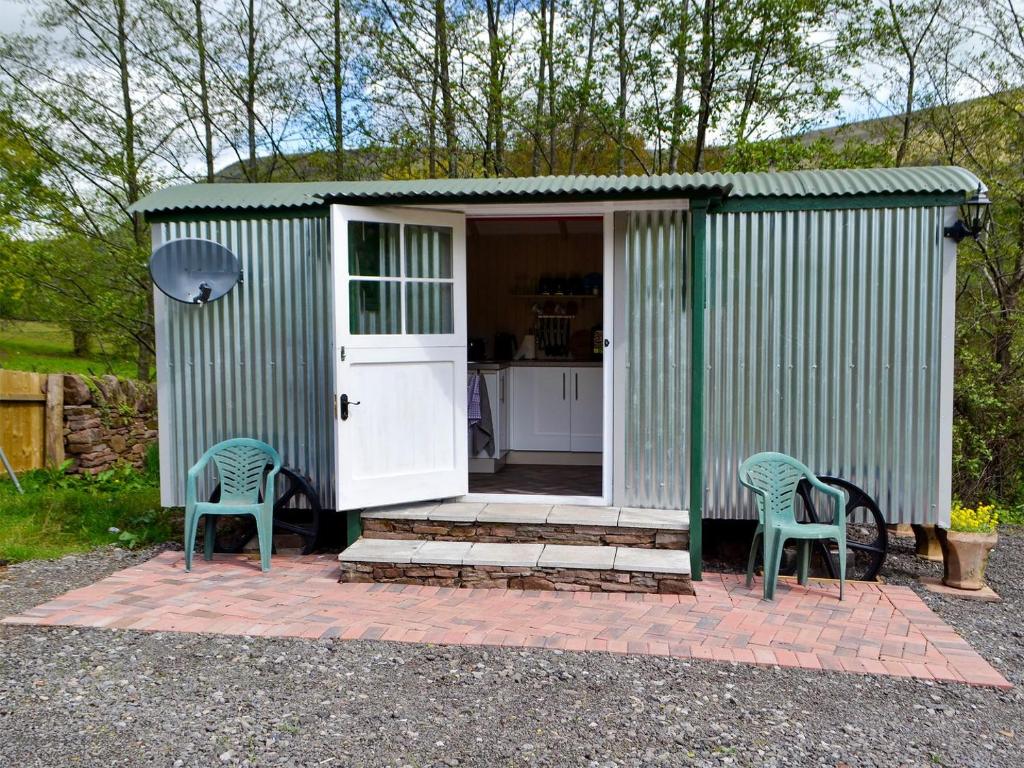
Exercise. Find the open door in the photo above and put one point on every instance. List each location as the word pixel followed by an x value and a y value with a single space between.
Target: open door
pixel 400 341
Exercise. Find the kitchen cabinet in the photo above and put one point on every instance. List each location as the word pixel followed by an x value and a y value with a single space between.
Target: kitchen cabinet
pixel 586 411
pixel 557 408
pixel 540 408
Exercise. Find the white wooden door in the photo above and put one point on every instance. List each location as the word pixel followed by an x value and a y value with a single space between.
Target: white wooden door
pixel 587 409
pixel 400 346
pixel 540 408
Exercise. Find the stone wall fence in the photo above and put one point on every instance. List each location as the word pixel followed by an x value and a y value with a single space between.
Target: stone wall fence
pixel 107 421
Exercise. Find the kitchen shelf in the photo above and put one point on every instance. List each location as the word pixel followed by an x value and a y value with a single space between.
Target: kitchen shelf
pixel 556 296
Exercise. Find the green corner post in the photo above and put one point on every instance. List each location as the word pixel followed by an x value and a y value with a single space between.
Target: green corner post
pixel 353 526
pixel 698 306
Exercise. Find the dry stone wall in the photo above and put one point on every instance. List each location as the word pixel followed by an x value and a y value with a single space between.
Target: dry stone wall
pixel 107 421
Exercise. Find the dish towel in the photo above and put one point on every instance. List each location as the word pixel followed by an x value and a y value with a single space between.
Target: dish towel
pixel 481 428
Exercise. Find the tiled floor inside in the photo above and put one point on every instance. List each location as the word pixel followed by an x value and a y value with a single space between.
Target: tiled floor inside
pixel 539 479
pixel 878 629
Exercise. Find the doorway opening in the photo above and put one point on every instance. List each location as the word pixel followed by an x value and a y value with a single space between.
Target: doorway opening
pixel 536 356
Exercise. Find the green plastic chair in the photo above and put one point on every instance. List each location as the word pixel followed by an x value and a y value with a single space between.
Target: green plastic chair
pixel 240 465
pixel 774 478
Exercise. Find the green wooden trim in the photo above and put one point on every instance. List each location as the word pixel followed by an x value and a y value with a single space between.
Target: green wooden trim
pixel 353 525
pixel 236 214
pixel 698 307
pixel 757 204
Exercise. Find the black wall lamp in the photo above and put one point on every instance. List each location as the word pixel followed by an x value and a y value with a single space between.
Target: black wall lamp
pixel 974 218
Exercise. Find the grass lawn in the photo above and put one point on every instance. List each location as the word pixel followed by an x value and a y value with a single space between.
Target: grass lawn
pixel 60 514
pixel 46 348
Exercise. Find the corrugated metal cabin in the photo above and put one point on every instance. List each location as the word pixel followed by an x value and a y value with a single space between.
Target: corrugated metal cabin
pixel 708 317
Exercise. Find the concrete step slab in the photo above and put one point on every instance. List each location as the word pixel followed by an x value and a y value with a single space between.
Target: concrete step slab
pixel 514 513
pixel 442 552
pixel 662 519
pixel 652 560
pixel 504 554
pixel 577 557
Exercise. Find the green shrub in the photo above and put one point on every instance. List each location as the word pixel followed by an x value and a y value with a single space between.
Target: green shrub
pixel 59 513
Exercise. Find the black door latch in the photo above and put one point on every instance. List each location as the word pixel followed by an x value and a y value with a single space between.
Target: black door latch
pixel 344 402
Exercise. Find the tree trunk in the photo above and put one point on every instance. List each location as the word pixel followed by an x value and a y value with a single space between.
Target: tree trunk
pixel 444 81
pixel 80 339
pixel 680 44
pixel 204 90
pixel 250 91
pixel 901 149
pixel 538 117
pixel 432 120
pixel 552 123
pixel 620 129
pixel 707 82
pixel 336 72
pixel 494 149
pixel 583 102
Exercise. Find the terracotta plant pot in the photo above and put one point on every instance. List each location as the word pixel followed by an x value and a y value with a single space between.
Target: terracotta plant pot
pixel 964 557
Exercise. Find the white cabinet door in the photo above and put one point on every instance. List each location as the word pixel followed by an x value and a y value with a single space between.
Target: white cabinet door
pixel 540 408
pixel 400 351
pixel 587 409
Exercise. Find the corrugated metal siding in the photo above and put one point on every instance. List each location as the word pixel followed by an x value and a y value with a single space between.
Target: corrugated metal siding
pixel 657 282
pixel 823 341
pixel 257 363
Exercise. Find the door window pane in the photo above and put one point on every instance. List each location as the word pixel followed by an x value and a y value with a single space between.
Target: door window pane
pixel 374 306
pixel 373 249
pixel 429 308
pixel 428 251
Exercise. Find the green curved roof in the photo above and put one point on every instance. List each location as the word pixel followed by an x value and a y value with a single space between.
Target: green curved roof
pixel 930 180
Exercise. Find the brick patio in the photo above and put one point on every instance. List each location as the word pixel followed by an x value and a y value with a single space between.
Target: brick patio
pixel 878 629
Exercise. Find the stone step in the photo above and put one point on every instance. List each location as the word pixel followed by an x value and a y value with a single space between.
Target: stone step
pixel 517 566
pixel 531 523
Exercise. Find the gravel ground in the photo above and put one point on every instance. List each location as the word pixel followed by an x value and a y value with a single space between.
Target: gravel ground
pixel 119 698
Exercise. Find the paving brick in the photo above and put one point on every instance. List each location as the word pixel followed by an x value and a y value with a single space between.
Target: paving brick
pixel 803 627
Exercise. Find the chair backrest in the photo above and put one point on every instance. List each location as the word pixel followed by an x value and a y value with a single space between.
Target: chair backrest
pixel 241 463
pixel 777 477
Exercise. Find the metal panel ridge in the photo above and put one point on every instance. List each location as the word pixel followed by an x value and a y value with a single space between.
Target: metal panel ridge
pixel 824 342
pixel 256 363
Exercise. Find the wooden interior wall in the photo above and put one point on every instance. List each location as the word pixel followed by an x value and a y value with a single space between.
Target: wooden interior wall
pixel 507 257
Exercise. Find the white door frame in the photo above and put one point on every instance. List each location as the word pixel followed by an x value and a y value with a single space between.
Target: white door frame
pixel 606 210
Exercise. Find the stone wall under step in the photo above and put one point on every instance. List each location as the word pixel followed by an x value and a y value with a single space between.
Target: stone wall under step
pixel 517 577
pixel 516 533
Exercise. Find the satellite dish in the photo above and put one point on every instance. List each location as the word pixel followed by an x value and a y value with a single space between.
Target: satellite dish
pixel 194 271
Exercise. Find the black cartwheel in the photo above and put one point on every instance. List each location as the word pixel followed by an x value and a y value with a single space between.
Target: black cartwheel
pixel 867 539
pixel 297 511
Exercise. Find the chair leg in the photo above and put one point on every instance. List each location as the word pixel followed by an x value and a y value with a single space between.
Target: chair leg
pixel 804 566
pixel 842 568
pixel 191 523
pixel 772 560
pixel 265 533
pixel 209 534
pixel 752 560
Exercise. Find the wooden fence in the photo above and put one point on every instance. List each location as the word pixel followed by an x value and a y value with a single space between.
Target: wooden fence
pixel 31 419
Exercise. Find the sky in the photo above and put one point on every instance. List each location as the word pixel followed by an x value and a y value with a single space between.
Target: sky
pixel 12 14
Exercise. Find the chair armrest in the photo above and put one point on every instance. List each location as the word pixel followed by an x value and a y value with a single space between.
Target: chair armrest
pixel 757 492
pixel 838 496
pixel 192 478
pixel 268 486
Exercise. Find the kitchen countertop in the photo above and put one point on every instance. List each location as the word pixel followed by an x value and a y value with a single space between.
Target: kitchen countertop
pixel 490 365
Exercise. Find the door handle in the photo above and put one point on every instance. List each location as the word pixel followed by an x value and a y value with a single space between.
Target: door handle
pixel 563 385
pixel 577 386
pixel 344 402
